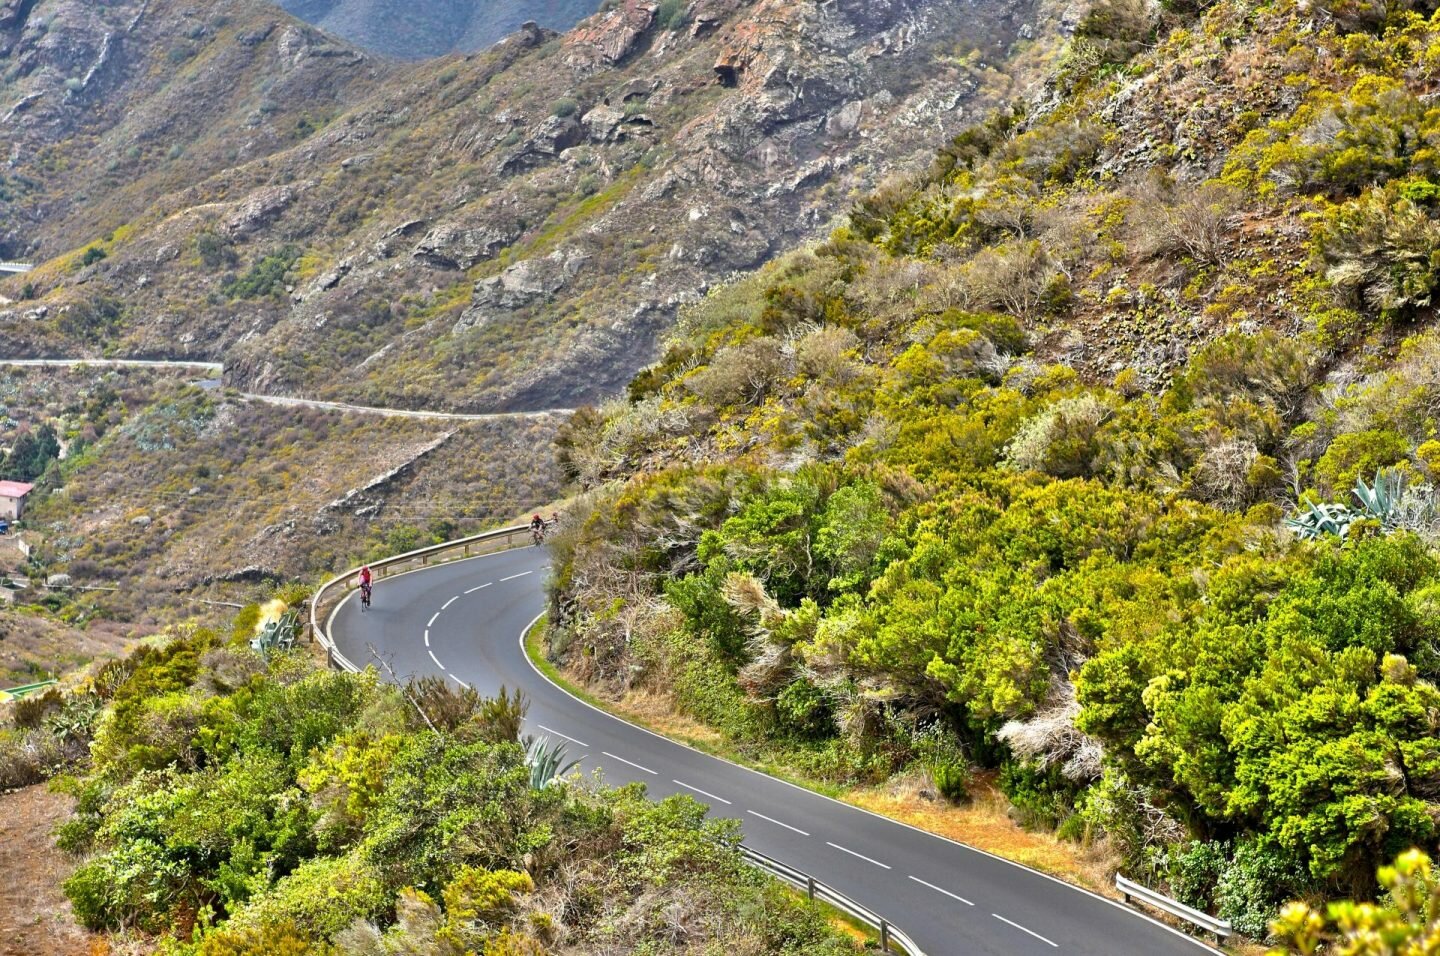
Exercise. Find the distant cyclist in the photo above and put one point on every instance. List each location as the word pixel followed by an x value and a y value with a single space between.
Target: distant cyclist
pixel 365 587
pixel 537 529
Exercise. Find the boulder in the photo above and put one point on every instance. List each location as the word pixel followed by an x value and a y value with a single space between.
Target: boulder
pixel 455 246
pixel 605 40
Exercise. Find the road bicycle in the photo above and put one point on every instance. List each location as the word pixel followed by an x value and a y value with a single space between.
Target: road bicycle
pixel 365 590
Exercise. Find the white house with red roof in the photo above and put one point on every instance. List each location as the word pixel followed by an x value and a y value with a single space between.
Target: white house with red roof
pixel 12 499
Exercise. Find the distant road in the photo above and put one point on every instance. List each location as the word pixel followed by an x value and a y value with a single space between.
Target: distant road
pixel 217 369
pixel 463 621
pixel 404 412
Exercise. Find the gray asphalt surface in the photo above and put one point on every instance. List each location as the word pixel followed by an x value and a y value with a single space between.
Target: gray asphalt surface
pixel 465 621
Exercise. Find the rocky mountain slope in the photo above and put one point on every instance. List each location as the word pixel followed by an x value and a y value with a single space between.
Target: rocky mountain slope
pixel 415 30
pixel 105 108
pixel 505 230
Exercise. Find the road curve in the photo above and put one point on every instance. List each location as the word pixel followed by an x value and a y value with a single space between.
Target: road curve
pixel 285 400
pixel 465 621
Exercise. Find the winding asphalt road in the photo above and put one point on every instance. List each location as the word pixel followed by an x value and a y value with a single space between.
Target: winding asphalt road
pixel 465 621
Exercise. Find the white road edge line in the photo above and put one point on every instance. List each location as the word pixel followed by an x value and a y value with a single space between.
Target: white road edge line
pixel 427 637
pixel 776 822
pixel 702 792
pixel 559 734
pixel 514 576
pixel 485 585
pixel 1024 930
pixel 604 714
pixel 450 602
pixel 436 660
pixel 859 855
pixel 457 680
pixel 431 622
pixel 939 890
pixel 607 753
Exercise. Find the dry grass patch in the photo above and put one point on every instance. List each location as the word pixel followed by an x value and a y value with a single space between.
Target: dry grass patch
pixel 984 823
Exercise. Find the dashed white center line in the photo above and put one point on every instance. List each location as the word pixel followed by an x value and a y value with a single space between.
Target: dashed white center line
pixel 436 660
pixel 1024 930
pixel 485 585
pixel 701 792
pixel 858 855
pixel 457 680
pixel 939 890
pixel 559 734
pixel 776 822
pixel 624 761
pixel 514 576
pixel 427 637
pixel 450 602
pixel 431 622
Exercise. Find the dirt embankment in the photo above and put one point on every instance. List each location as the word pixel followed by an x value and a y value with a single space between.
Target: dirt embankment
pixel 35 917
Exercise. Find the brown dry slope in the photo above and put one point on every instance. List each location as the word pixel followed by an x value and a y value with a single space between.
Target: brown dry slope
pixel 35 917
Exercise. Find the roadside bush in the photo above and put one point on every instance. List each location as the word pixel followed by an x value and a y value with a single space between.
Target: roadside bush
pixel 321 898
pixel 1252 886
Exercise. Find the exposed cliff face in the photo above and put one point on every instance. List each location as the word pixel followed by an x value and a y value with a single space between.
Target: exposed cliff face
pixel 428 28
pixel 513 229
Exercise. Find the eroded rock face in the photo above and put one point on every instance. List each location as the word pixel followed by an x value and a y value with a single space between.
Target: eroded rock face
pixel 259 210
pixel 612 36
pixel 456 246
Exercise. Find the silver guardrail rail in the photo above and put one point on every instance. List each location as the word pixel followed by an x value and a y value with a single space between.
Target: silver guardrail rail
pixel 892 940
pixel 1134 891
pixel 335 590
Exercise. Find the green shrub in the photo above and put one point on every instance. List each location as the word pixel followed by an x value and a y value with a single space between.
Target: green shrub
pixel 265 278
pixel 565 107
pixel 1252 886
pixel 136 884
pixel 274 939
pixel 322 897
pixel 952 779
pixel 672 14
pixel 1195 871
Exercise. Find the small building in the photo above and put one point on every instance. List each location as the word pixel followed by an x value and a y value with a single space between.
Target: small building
pixel 12 499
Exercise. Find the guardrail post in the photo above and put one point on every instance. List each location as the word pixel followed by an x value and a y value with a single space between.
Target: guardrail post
pixel 884 937
pixel 810 887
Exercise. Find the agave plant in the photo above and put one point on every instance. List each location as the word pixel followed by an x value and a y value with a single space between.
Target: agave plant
pixel 1383 502
pixel 546 762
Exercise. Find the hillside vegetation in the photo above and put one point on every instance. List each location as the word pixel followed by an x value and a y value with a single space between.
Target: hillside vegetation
pixel 226 804
pixel 1101 456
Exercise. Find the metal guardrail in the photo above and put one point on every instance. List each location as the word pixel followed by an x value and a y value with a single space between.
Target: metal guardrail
pixel 1130 889
pixel 15 267
pixel 892 940
pixel 327 599
pixel 332 592
pixel 25 690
